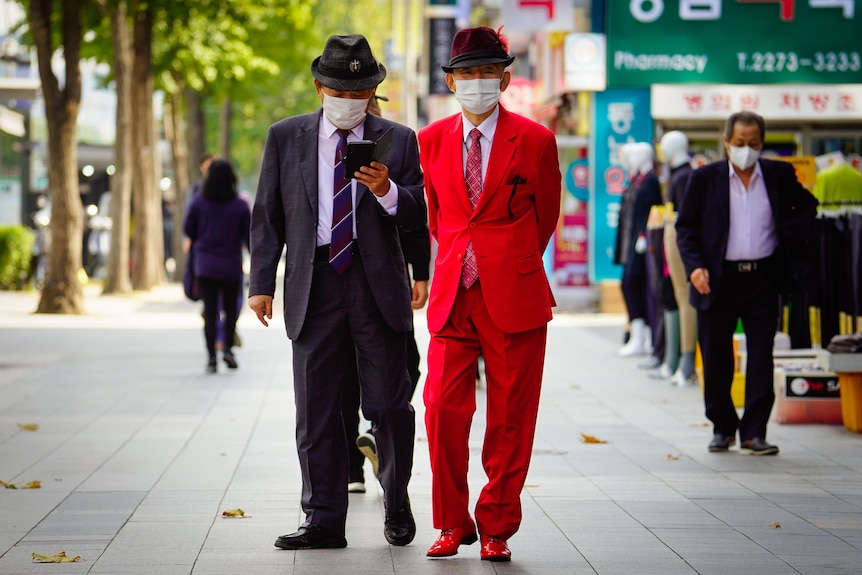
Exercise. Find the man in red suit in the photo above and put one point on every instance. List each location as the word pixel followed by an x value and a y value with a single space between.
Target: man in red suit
pixel 493 183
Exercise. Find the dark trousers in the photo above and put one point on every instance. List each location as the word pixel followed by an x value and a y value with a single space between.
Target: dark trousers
pixel 342 313
pixel 753 297
pixel 218 294
pixel 634 288
pixel 351 402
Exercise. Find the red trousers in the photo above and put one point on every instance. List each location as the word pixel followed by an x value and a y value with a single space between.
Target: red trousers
pixel 513 368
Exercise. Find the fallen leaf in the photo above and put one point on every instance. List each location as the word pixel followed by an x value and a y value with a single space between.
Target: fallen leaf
pixel 60 557
pixel 591 439
pixel 28 426
pixel 574 386
pixel 31 485
pixel 235 513
pixel 532 485
pixel 703 424
pixel 775 524
pixel 671 457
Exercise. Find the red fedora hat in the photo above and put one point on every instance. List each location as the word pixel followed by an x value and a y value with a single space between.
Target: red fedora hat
pixel 478 46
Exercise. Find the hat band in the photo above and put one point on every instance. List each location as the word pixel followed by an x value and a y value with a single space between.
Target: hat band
pixel 366 71
pixel 496 54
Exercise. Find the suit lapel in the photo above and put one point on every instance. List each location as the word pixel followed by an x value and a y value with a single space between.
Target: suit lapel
pixel 723 185
pixel 771 185
pixel 307 141
pixel 456 153
pixel 502 152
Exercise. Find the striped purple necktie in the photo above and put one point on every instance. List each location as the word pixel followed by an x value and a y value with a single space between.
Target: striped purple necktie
pixel 341 248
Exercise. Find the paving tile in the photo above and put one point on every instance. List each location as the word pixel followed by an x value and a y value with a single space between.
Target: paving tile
pixel 136 470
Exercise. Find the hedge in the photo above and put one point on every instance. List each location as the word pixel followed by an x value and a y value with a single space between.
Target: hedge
pixel 16 251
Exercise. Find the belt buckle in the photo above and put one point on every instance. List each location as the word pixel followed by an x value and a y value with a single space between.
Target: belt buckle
pixel 746 266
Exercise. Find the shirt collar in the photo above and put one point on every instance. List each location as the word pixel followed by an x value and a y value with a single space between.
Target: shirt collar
pixel 487 127
pixel 757 173
pixel 329 128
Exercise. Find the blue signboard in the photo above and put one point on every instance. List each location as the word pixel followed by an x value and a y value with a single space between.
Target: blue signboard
pixel 619 116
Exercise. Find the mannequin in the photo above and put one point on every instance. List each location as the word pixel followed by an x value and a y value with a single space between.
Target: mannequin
pixel 642 192
pixel 674 147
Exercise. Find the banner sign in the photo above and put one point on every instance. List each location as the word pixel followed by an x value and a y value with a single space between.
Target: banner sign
pixel 585 62
pixel 539 15
pixel 784 102
pixel 620 116
pixel 570 250
pixel 441 32
pixel 734 42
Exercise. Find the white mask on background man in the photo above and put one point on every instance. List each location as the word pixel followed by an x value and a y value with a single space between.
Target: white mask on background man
pixel 344 113
pixel 743 157
pixel 479 95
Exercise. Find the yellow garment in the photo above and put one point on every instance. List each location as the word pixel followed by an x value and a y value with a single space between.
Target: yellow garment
pixel 838 183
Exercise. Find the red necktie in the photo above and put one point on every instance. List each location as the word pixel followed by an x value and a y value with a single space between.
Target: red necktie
pixel 470 273
pixel 341 248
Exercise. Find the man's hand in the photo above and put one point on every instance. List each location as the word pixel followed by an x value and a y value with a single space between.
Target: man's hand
pixel 420 294
pixel 375 177
pixel 261 305
pixel 700 280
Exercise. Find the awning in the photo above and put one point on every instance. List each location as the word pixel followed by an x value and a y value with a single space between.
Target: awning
pixel 12 122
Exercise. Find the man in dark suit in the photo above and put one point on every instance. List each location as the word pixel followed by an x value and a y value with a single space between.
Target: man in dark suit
pixel 345 285
pixel 744 232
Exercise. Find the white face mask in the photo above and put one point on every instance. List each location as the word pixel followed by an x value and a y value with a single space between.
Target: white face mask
pixel 345 113
pixel 743 157
pixel 479 95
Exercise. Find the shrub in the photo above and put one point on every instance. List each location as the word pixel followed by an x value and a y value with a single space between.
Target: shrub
pixel 16 250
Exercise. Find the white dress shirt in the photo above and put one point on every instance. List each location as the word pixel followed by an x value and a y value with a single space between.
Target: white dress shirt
pixel 752 234
pixel 327 142
pixel 488 128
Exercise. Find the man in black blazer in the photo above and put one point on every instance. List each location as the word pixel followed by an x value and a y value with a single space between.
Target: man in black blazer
pixel 745 234
pixel 345 285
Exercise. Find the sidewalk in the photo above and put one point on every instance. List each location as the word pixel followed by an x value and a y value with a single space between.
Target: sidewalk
pixel 139 453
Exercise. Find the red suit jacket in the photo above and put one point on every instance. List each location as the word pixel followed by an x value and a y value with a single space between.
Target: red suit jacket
pixel 510 227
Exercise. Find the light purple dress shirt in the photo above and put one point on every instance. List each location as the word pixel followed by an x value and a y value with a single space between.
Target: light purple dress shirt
pixel 752 234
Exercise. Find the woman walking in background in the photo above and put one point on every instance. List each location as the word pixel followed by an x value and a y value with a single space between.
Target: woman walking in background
pixel 217 223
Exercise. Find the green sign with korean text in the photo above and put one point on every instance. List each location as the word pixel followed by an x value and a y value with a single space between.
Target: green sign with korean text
pixel 734 42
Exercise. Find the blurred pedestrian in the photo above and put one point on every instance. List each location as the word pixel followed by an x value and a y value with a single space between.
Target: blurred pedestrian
pixel 217 225
pixel 345 285
pixel 493 183
pixel 745 233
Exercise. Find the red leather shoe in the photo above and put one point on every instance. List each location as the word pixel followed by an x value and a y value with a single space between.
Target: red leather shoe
pixel 495 549
pixel 450 539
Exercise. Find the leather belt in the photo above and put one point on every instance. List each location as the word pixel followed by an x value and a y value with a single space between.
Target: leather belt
pixel 748 266
pixel 321 253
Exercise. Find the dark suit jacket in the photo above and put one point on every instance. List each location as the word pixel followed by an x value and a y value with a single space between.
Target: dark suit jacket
pixel 285 214
pixel 704 220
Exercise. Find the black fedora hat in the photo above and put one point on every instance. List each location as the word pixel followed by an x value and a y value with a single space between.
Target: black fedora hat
pixel 347 64
pixel 476 47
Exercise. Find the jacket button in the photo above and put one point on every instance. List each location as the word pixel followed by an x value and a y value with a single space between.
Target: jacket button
pixel 472 225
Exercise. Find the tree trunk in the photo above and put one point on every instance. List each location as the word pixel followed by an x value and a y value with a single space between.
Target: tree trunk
pixel 62 292
pixel 225 127
pixel 195 132
pixel 148 240
pixel 117 279
pixel 173 132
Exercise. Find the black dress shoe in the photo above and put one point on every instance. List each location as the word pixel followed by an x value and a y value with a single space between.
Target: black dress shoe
pixel 311 537
pixel 211 366
pixel 757 446
pixel 400 528
pixel 229 360
pixel 721 442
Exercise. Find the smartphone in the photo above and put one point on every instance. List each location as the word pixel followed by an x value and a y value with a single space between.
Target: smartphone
pixel 359 153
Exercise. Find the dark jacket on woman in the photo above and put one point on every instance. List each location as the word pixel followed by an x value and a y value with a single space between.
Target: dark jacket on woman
pixel 218 231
